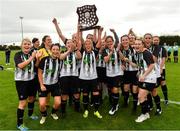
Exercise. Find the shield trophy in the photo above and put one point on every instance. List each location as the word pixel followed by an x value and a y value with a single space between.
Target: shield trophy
pixel 87 17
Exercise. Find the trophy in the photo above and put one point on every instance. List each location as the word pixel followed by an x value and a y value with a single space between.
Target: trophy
pixel 87 17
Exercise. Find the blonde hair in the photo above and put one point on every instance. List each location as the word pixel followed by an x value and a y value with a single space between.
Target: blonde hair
pixel 88 40
pixel 25 40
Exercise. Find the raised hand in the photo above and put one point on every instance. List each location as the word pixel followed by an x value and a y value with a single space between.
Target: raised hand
pixel 54 21
pixel 101 29
pixel 112 30
pixel 39 54
pixel 33 54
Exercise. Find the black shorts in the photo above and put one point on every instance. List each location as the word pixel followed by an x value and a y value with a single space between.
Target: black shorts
pixel 53 89
pixel 69 85
pixel 130 77
pixel 101 72
pixel 169 53
pixel 158 82
pixel 175 53
pixel 163 75
pixel 89 85
pixel 36 83
pixel 25 89
pixel 114 81
pixel 146 86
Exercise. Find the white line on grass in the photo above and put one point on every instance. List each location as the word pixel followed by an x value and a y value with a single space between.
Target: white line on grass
pixel 173 102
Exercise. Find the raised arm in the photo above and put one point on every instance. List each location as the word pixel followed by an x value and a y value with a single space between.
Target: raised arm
pixel 62 37
pixel 98 45
pixel 79 37
pixel 115 36
pixel 131 32
pixel 95 36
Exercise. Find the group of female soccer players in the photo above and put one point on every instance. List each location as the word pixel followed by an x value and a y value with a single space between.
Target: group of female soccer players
pixel 128 63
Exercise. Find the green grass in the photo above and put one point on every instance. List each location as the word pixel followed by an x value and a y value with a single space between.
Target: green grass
pixel 123 120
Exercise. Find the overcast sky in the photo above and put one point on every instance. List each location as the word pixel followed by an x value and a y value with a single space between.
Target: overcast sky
pixel 159 17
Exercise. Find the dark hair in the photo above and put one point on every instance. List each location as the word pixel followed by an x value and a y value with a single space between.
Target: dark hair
pixel 56 44
pixel 109 36
pixel 148 34
pixel 89 35
pixel 43 40
pixel 34 40
pixel 124 36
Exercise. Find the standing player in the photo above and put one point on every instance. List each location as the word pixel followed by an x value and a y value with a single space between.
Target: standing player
pixel 175 52
pixel 45 51
pixel 161 68
pixel 154 50
pixel 88 78
pixel 169 50
pixel 113 72
pixel 146 76
pixel 69 75
pixel 130 72
pixel 48 73
pixel 24 75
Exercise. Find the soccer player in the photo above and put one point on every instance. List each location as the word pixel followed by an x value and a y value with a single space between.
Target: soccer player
pixel 175 52
pixel 88 78
pixel 113 72
pixel 45 51
pixel 155 51
pixel 48 73
pixel 169 50
pixel 130 71
pixel 8 54
pixel 24 75
pixel 75 39
pixel 146 76
pixel 161 68
pixel 69 75
pixel 35 48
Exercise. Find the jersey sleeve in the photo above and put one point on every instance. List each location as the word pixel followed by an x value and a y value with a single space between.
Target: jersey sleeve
pixel 148 57
pixel 164 52
pixel 42 63
pixel 17 58
pixel 156 51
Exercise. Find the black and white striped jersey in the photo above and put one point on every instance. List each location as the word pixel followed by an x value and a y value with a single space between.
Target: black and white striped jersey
pixel 27 73
pixel 69 66
pixel 159 53
pixel 131 55
pixel 51 70
pixel 88 66
pixel 113 67
pixel 100 60
pixel 145 58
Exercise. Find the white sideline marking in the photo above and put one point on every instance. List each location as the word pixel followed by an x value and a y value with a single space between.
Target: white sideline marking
pixel 173 102
pixel 9 68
